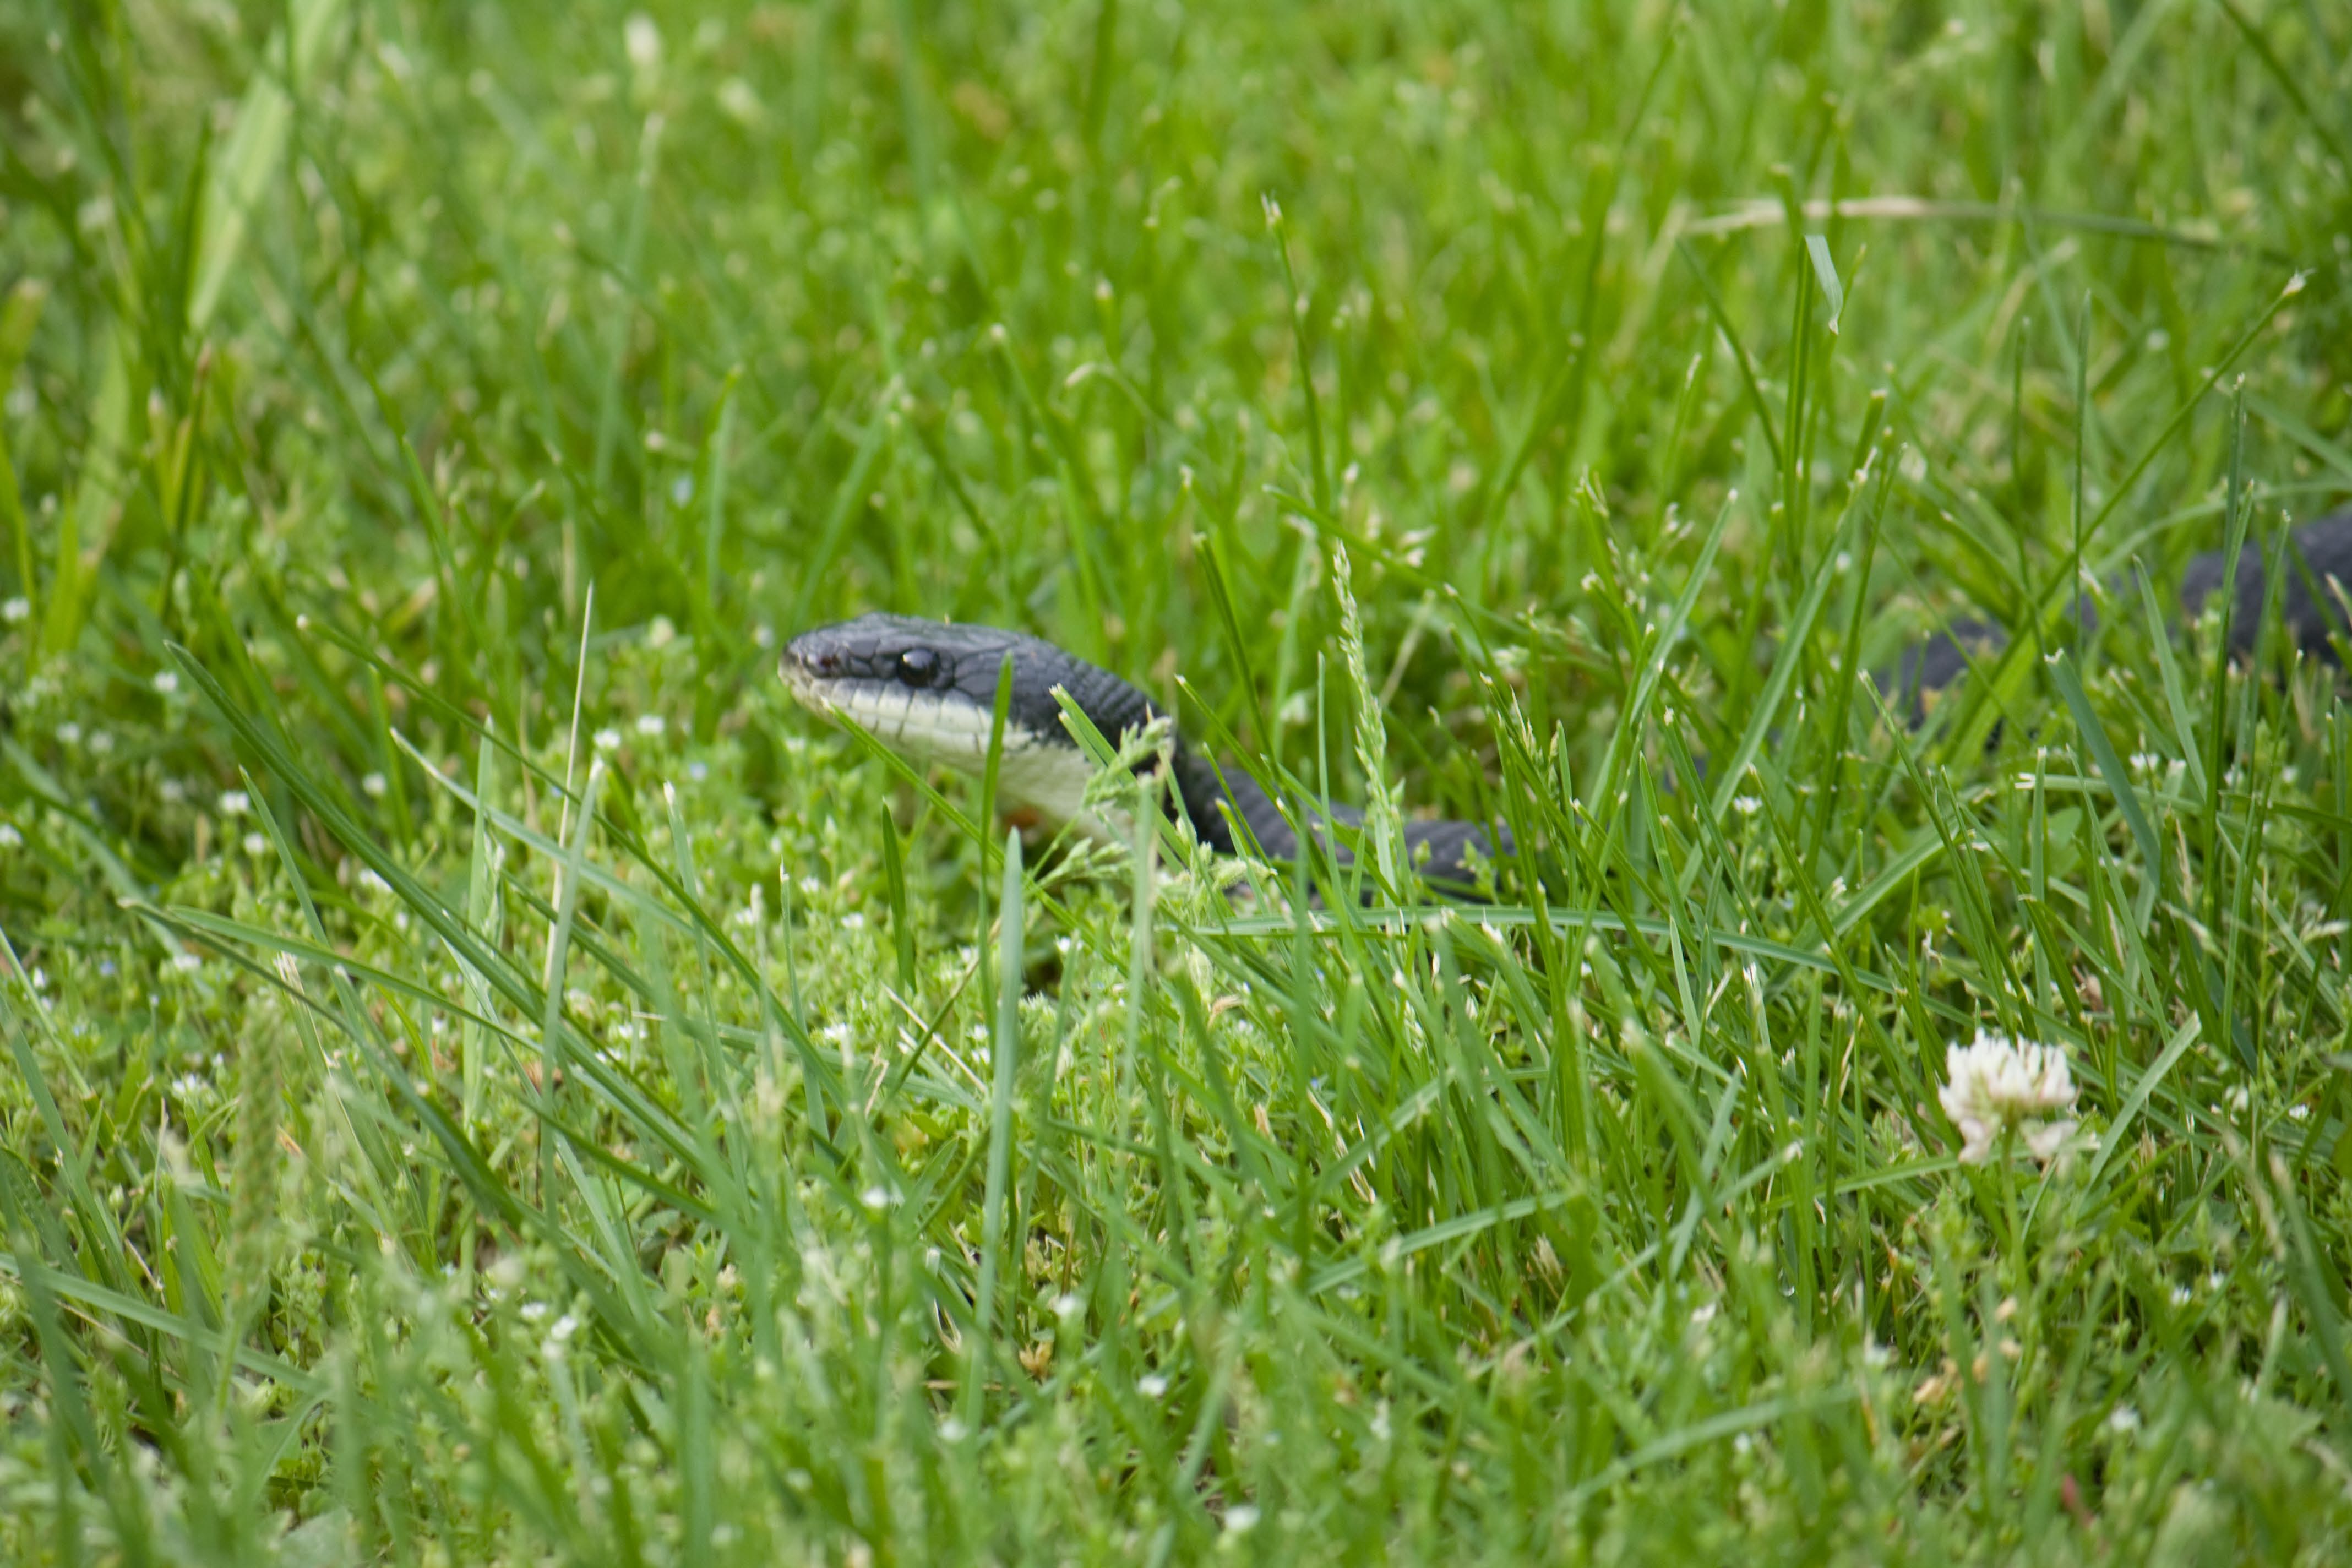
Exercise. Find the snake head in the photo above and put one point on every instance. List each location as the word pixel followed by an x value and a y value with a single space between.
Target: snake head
pixel 927 689
pixel 881 667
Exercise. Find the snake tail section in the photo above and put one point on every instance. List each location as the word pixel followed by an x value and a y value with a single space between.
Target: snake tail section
pixel 2313 612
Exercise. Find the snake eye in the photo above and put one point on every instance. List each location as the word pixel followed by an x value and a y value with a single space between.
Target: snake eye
pixel 918 667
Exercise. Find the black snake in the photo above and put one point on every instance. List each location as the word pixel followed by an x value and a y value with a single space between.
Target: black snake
pixel 927 689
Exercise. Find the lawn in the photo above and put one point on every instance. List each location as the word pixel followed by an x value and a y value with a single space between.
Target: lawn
pixel 488 1079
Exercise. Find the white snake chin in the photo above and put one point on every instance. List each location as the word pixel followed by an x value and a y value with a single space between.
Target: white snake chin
pixel 1036 775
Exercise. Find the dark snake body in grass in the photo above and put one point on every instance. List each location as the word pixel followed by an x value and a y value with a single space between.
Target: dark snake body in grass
pixel 927 689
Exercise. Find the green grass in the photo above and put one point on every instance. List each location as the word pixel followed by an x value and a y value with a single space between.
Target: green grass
pixel 489 1081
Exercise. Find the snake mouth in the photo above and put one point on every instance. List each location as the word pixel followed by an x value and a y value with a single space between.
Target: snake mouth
pixel 808 687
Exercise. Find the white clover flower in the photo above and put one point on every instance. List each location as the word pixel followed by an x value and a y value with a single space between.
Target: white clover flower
pixel 1998 1086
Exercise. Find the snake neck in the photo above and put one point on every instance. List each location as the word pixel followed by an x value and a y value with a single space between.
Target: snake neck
pixel 1207 793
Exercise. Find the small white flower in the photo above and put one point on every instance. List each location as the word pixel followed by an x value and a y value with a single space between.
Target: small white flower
pixel 1151 1385
pixel 173 791
pixel 2122 1418
pixel 187 963
pixel 166 683
pixel 235 803
pixel 1239 1519
pixel 649 724
pixel 256 843
pixel 1998 1085
pixel 644 41
pixel 69 732
pixel 608 739
pixel 1067 1306
pixel 1746 804
pixel 875 1198
pixel 9 837
pixel 2181 1295
pixel 16 610
pixel 372 785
